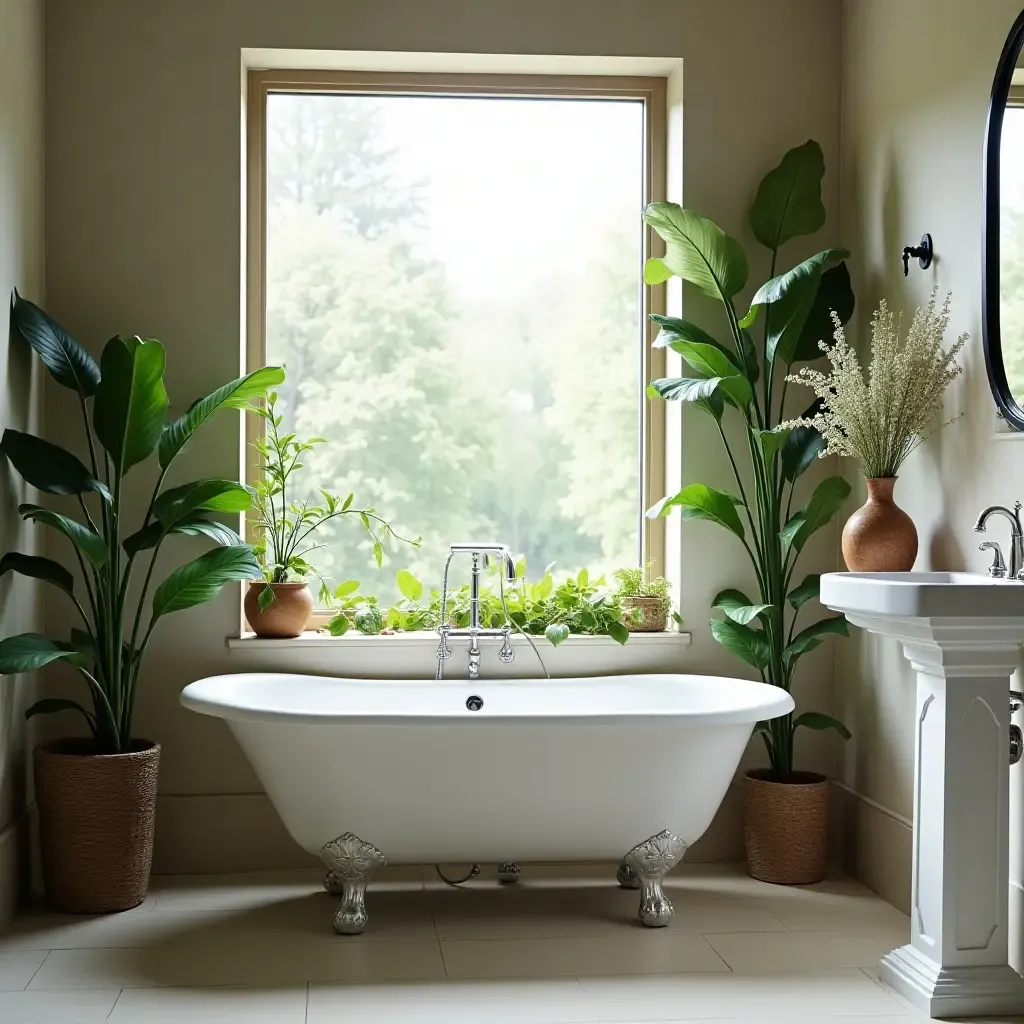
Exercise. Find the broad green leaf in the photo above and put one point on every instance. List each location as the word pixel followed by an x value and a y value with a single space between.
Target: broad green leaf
pixel 772 441
pixel 698 250
pixel 235 395
pixel 809 638
pixel 835 292
pixel 790 530
pixel 195 524
pixel 543 587
pixel 675 329
pixel 697 501
pixel 556 633
pixel 200 580
pixel 69 364
pixel 826 501
pixel 738 606
pixel 345 588
pixel 410 587
pixel 211 495
pixel 338 626
pixel 707 360
pixel 618 632
pixel 713 405
pixel 734 389
pixel 790 298
pixel 748 644
pixel 655 271
pixel 128 411
pixel 266 597
pixel 801 448
pixel 788 201
pixel 816 720
pixel 51 705
pixel 48 467
pixel 37 568
pixel 679 335
pixel 809 589
pixel 90 543
pixel 29 651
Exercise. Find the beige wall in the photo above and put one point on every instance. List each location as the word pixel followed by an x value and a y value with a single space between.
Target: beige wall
pixel 912 162
pixel 143 222
pixel 21 266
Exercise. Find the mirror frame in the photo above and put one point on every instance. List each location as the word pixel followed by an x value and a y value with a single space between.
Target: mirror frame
pixel 1010 408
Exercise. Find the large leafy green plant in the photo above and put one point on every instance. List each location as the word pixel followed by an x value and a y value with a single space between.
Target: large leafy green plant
pixel 745 378
pixel 123 405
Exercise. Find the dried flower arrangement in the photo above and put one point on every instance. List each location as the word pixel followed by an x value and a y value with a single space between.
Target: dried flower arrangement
pixel 879 420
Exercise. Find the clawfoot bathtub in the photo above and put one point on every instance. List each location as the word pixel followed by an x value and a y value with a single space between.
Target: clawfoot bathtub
pixel 369 772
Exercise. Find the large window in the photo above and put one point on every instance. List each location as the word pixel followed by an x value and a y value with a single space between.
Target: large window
pixel 452 277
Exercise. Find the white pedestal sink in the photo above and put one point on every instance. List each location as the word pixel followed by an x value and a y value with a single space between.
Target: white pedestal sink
pixel 962 633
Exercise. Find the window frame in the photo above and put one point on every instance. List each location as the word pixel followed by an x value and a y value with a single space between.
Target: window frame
pixel 651 91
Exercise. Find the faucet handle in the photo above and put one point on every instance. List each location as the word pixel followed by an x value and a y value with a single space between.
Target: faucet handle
pixel 506 654
pixel 997 569
pixel 444 652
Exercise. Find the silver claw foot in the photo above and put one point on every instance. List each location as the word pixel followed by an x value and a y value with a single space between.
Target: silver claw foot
pixel 626 877
pixel 650 861
pixel 351 863
pixel 508 872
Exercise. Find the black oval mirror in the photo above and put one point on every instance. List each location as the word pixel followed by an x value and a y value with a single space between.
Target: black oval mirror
pixel 1003 249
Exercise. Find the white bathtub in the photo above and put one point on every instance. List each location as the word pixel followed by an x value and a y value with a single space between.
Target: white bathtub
pixel 562 769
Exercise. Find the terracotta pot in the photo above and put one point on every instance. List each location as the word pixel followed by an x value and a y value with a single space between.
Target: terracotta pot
pixel 785 826
pixel 286 616
pixel 880 536
pixel 97 814
pixel 652 618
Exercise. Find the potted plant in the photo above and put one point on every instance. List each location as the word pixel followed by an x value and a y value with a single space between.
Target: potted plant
pixel 880 418
pixel 744 376
pixel 645 605
pixel 96 794
pixel 279 605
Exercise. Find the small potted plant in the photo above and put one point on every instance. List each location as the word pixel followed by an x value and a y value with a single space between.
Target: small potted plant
pixel 96 794
pixel 279 605
pixel 879 418
pixel 645 605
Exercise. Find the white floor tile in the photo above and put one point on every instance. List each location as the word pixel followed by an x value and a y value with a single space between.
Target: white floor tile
pixel 56 1007
pixel 835 912
pixel 18 966
pixel 642 952
pixel 224 1005
pixel 805 951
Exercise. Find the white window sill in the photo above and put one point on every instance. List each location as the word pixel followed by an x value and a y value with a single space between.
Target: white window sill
pixel 413 655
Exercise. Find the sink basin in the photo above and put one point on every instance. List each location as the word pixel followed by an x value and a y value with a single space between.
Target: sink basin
pixel 946 595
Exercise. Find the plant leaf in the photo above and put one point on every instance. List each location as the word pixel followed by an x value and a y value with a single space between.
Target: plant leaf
pixel 618 632
pixel 748 644
pixel 69 364
pixel 48 467
pixel 803 445
pixel 697 501
pixel 698 250
pixel 211 495
pixel 788 201
pixel 816 720
pixel 345 588
pixel 835 292
pixel 37 568
pixel 790 530
pixel 128 413
pixel 194 525
pixel 655 271
pixel 408 585
pixel 51 705
pixel 738 606
pixel 809 638
pixel 810 588
pixel 790 298
pixel 235 395
pixel 771 441
pixel 735 389
pixel 200 580
pixel 90 543
pixel 338 626
pixel 674 329
pixel 266 597
pixel 826 501
pixel 557 632
pixel 29 651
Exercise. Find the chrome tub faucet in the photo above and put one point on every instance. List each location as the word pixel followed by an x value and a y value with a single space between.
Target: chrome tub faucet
pixel 478 553
pixel 1015 571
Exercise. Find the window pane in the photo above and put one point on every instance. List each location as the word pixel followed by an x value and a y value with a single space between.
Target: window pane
pixel 454 287
pixel 1011 249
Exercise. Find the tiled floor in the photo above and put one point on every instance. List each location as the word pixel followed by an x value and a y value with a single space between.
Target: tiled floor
pixel 561 946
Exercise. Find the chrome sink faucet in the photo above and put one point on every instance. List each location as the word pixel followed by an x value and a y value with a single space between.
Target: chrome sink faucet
pixel 478 554
pixel 1016 566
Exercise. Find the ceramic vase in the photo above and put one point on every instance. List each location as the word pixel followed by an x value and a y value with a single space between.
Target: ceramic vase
pixel 286 616
pixel 880 536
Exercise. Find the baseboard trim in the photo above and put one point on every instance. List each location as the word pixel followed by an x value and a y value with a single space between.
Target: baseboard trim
pixel 873 843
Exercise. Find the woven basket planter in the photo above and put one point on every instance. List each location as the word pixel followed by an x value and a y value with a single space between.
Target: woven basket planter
pixel 651 611
pixel 97 814
pixel 785 827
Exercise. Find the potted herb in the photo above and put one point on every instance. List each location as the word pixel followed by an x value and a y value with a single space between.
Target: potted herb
pixel 742 375
pixel 280 604
pixel 645 605
pixel 879 418
pixel 96 795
